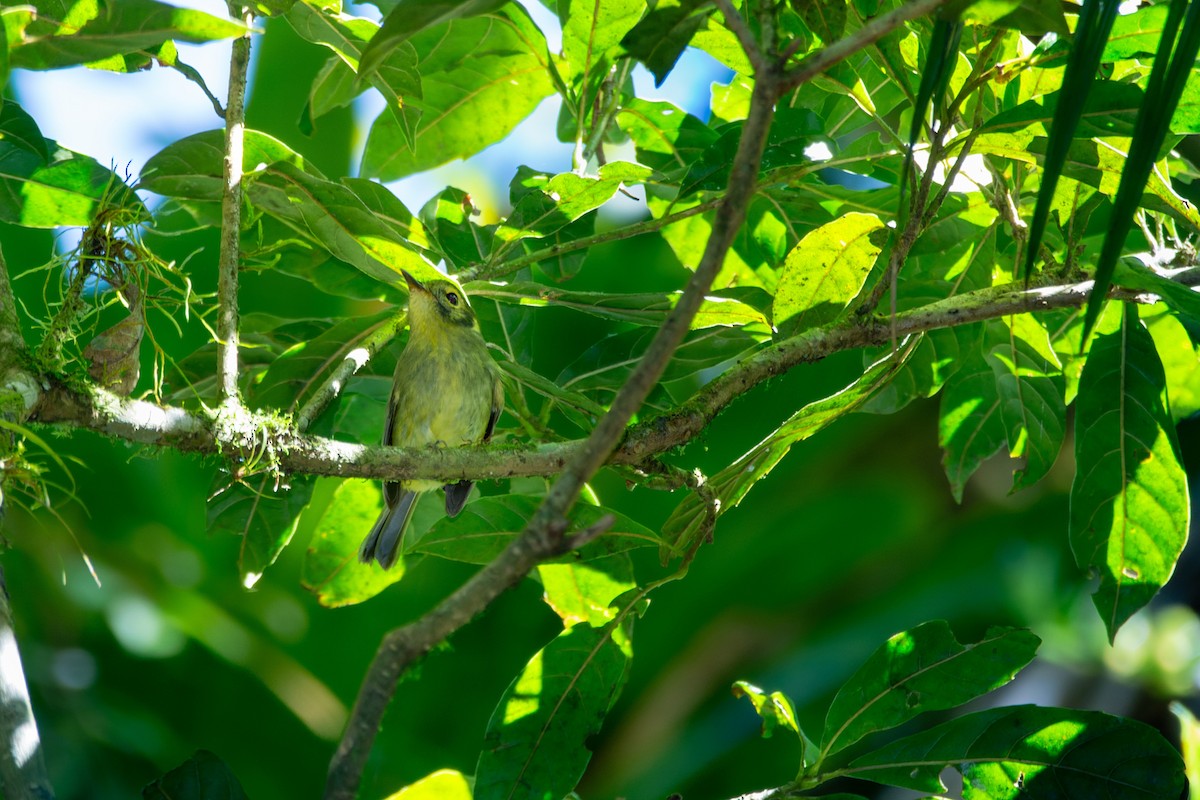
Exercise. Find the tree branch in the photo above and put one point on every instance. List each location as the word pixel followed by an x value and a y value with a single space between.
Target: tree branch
pixel 146 423
pixel 231 213
pixel 544 536
pixel 868 34
pixel 22 767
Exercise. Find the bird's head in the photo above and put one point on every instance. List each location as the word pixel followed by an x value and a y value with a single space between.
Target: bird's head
pixel 436 306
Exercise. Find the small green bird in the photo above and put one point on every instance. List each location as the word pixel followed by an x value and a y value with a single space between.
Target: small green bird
pixel 446 391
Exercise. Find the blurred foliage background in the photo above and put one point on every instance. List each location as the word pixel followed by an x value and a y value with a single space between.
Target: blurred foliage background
pixel 853 537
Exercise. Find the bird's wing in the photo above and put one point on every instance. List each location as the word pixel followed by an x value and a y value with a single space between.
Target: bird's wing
pixel 497 407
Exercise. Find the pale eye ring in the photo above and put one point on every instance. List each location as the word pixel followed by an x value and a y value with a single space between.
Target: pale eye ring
pixel 452 298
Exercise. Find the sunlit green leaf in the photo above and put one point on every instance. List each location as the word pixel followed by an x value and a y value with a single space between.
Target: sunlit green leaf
pixel 923 669
pixel 1129 500
pixel 65 190
pixel 584 592
pixel 970 430
pixel 445 784
pixel 191 167
pixel 538 734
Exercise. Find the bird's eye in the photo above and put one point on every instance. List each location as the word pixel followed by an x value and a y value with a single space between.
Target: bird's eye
pixel 452 298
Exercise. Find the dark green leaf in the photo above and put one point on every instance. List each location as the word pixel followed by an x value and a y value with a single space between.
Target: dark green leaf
pixel 1032 753
pixel 663 34
pixel 731 484
pixel 1129 500
pixel 970 430
pixel 486 526
pixel 204 776
pixel 792 131
pixel 18 128
pixel 667 138
pixel 539 732
pixel 1182 299
pixel 264 512
pixel 1030 387
pixel 924 669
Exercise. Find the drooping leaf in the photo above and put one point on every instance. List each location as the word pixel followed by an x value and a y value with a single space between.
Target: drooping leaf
pixel 776 709
pixel 584 592
pixel 731 484
pixel 1129 500
pixel 538 733
pixel 263 512
pixel 825 271
pixel 19 129
pixel 970 430
pixel 1030 388
pixel 204 776
pixel 923 669
pixel 332 216
pixel 662 35
pixel 1031 753
pixel 331 567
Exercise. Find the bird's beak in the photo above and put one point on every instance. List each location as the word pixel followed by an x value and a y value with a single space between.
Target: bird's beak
pixel 414 285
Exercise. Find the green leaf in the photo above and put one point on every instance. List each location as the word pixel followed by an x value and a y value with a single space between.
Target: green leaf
pixel 825 18
pixel 1182 299
pixel 970 429
pixel 192 166
pixel 825 271
pixel 445 784
pixel 331 568
pixel 775 709
pixel 1173 63
pixel 548 203
pixel 204 776
pixel 67 189
pixel 1030 388
pixel 19 129
pixel 1031 753
pixel 661 37
pixel 479 78
pixel 584 592
pixel 397 77
pixel 731 484
pixel 1129 500
pixel 792 131
pixel 332 216
pixel 410 17
pixel 262 514
pixel 486 526
pixel 923 669
pixel 1189 740
pixel 98 31
pixel 666 138
pixel 538 734
pixel 591 30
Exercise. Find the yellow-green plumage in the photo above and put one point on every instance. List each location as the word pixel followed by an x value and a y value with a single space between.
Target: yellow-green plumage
pixel 446 392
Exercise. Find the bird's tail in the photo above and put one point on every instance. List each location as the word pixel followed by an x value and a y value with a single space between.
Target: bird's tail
pixel 383 542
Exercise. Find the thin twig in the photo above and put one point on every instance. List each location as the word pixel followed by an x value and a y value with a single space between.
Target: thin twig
pixel 231 214
pixel 486 272
pixel 351 363
pixel 141 422
pixel 871 32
